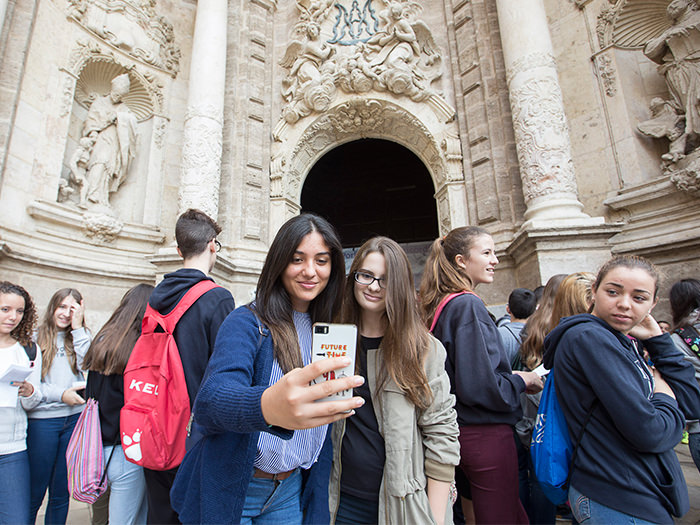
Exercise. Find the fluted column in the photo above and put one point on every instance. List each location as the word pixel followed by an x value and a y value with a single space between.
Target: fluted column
pixel 541 131
pixel 203 128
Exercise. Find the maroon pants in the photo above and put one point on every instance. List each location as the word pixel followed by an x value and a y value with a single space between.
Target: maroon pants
pixel 490 462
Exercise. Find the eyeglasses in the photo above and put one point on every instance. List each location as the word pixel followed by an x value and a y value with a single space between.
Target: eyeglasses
pixel 367 279
pixel 217 244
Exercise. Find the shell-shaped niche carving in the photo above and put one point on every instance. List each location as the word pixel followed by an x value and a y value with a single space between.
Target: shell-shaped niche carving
pixel 632 23
pixel 95 80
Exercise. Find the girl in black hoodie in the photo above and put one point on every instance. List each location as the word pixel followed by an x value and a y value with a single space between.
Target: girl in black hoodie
pixel 626 469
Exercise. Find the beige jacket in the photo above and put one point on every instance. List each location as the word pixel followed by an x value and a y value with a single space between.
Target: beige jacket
pixel 418 444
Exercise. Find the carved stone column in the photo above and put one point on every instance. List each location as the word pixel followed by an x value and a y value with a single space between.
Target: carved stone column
pixel 541 130
pixel 203 129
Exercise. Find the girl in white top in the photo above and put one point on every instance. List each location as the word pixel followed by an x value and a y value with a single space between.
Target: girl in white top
pixel 17 319
pixel 64 341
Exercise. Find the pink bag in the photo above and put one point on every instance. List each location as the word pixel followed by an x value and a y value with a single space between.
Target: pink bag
pixel 87 474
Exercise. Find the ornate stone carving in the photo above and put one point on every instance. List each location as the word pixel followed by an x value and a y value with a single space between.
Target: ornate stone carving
pixel 159 132
pixel 629 24
pixel 528 62
pixel 201 159
pixel 676 51
pixel 542 137
pixel 685 174
pixel 309 86
pixel 352 120
pixel 398 55
pixel 133 27
pixel 102 226
pixel 354 25
pixel 606 73
pixel 101 162
pixel 277 171
pixel 94 68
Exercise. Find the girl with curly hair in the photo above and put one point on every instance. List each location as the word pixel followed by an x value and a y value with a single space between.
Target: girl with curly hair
pixel 17 319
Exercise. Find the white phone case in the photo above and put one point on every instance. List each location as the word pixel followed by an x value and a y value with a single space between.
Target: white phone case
pixel 334 340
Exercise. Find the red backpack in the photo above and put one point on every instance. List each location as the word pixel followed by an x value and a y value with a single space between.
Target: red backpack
pixel 153 420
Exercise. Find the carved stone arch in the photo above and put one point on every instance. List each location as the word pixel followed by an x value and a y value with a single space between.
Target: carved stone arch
pixel 93 68
pixel 630 24
pixel 359 119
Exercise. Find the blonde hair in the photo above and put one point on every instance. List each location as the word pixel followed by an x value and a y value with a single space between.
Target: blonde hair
pixel 574 296
pixel 538 324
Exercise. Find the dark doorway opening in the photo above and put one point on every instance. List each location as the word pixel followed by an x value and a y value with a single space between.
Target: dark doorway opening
pixel 373 187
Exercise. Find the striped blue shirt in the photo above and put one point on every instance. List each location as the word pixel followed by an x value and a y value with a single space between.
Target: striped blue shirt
pixel 277 455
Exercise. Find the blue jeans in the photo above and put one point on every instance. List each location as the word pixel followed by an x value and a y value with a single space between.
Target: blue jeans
pixel 127 485
pixel 273 502
pixel 590 512
pixel 47 441
pixel 14 488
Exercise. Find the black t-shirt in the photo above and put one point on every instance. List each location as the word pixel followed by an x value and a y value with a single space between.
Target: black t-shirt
pixel 362 452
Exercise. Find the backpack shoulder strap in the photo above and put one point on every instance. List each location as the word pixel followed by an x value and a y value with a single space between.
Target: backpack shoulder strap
pixel 691 338
pixel 442 305
pixel 170 320
pixel 516 336
pixel 30 349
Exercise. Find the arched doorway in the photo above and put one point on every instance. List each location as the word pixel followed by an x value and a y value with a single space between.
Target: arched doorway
pixel 373 187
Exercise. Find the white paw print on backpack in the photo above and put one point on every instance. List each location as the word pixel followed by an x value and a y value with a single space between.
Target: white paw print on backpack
pixel 131 446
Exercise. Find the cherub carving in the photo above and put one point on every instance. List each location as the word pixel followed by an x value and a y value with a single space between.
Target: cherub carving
pixel 309 86
pixel 403 52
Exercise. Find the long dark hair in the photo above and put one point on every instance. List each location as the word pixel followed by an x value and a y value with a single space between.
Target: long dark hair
pixel 405 344
pixel 441 275
pixel 48 331
pixel 112 346
pixel 684 298
pixel 272 302
pixel 23 331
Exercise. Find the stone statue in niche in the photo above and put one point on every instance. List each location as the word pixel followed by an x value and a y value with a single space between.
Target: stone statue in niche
pixel 677 51
pixel 101 162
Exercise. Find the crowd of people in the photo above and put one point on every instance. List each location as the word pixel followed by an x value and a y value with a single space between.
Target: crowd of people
pixel 444 402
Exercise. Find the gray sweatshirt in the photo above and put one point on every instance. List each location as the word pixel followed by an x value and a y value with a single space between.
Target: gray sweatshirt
pixel 60 377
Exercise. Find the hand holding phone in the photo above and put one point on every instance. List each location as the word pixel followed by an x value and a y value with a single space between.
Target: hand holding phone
pixel 334 340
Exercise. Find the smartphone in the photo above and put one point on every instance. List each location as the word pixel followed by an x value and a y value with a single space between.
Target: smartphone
pixel 334 340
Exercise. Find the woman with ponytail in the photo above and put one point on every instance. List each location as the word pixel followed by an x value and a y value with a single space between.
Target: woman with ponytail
pixel 487 391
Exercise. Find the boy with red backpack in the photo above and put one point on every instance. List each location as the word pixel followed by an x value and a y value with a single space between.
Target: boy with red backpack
pixel 194 334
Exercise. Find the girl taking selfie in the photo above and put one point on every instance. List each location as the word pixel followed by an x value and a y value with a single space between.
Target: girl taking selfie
pixel 264 454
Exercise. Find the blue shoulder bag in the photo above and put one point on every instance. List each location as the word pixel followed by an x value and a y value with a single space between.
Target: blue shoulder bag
pixel 553 454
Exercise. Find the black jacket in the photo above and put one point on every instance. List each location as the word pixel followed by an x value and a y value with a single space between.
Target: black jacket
pixel 195 334
pixel 625 459
pixel 487 392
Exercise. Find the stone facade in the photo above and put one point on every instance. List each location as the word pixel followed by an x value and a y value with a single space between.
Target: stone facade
pixel 526 113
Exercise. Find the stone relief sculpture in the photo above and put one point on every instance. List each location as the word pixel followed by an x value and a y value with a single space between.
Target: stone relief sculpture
pixel 101 162
pixel 677 51
pixel 310 85
pixel 133 27
pixel 399 56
